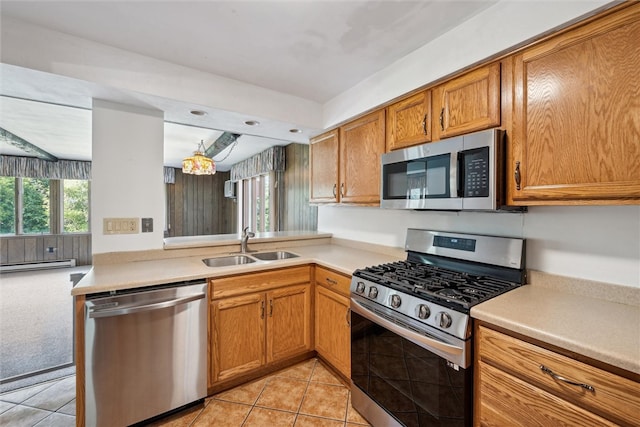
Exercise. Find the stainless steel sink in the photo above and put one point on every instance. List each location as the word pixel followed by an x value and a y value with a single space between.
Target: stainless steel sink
pixel 275 255
pixel 226 261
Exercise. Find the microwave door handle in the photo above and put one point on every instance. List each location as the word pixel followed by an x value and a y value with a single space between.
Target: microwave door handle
pixel 460 175
pixel 453 175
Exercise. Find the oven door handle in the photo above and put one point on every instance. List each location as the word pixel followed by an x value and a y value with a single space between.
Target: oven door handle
pixel 409 334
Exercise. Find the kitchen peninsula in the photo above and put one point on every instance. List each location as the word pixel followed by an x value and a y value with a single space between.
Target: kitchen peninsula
pixel 549 311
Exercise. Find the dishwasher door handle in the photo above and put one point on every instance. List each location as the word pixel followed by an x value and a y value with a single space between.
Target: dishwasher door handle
pixel 145 307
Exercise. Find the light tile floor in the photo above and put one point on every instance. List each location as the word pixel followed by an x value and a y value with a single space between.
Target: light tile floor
pixel 305 395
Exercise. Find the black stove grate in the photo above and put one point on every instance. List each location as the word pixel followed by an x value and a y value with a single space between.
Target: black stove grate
pixel 436 283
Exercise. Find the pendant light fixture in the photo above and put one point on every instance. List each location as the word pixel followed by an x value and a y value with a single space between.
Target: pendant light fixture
pixel 199 164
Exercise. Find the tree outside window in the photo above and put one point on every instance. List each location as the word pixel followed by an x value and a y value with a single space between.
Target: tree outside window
pixel 75 206
pixel 7 205
pixel 35 205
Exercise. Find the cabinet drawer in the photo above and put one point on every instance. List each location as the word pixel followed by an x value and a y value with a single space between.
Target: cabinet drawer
pixel 509 401
pixel 614 397
pixel 260 281
pixel 332 280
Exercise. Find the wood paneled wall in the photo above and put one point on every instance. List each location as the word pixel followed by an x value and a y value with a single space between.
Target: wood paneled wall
pixel 196 205
pixel 298 214
pixel 21 249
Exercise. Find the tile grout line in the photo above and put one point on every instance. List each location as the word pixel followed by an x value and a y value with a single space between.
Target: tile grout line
pixel 295 419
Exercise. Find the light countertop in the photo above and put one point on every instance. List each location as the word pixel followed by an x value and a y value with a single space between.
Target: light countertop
pixel 130 275
pixel 230 239
pixel 602 330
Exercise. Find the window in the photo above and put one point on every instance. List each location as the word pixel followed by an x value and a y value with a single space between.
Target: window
pixel 35 205
pixel 43 206
pixel 75 206
pixel 259 203
pixel 7 205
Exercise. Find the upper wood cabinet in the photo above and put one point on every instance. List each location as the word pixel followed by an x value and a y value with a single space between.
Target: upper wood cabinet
pixel 467 103
pixel 323 153
pixel 409 121
pixel 577 116
pixel 362 142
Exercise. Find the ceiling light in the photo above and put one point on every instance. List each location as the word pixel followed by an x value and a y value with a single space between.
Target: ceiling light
pixel 294 130
pixel 252 123
pixel 199 164
pixel 198 112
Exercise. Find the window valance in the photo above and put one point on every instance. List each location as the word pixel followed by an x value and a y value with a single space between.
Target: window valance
pixel 270 160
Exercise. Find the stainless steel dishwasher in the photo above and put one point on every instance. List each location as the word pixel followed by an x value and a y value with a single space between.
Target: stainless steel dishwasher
pixel 145 352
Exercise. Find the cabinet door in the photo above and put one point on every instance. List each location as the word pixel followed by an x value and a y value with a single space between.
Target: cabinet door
pixel 576 116
pixel 361 145
pixel 409 121
pixel 468 103
pixel 323 154
pixel 288 322
pixel 237 335
pixel 333 331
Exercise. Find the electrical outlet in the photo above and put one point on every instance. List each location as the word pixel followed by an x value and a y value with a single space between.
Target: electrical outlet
pixel 120 226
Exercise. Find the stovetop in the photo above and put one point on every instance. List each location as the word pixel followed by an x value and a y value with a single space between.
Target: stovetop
pixel 454 289
pixel 444 275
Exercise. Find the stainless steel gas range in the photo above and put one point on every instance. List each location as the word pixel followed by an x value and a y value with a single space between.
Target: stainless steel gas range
pixel 411 332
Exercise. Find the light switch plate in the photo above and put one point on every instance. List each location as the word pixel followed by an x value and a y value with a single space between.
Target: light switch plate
pixel 120 226
pixel 147 225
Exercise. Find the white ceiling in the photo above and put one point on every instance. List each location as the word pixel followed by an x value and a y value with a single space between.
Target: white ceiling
pixel 311 49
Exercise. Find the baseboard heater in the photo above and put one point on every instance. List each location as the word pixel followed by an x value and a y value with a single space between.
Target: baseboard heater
pixel 40 265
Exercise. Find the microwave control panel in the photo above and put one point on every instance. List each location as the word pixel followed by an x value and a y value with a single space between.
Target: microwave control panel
pixel 476 172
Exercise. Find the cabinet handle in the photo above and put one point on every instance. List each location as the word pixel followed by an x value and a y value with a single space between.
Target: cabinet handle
pixel 442 119
pixel 331 281
pixel 517 175
pixel 565 380
pixel 270 308
pixel 342 190
pixel 262 310
pixel 348 318
pixel 424 124
pixel 334 189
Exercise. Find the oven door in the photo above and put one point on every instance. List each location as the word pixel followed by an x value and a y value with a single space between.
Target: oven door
pixel 400 381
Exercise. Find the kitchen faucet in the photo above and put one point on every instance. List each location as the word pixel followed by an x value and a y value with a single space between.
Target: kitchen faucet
pixel 245 239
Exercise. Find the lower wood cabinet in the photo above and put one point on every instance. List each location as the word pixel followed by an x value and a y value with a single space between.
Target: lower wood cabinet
pixel 259 319
pixel 518 383
pixel 332 325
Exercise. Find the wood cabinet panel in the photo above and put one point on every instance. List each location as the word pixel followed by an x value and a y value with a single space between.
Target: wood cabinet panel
pixel 288 322
pixel 509 401
pixel 324 160
pixel 259 320
pixel 262 281
pixel 237 335
pixel 333 329
pixel 332 280
pixel 616 397
pixel 467 103
pixel 362 142
pixel 576 115
pixel 409 121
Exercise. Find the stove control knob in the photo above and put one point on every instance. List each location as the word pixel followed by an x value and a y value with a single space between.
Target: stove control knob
pixel 423 312
pixel 373 292
pixel 444 319
pixel 360 288
pixel 395 301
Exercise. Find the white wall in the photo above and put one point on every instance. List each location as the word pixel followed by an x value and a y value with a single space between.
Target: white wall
pixel 127 178
pixel 599 243
pixel 497 28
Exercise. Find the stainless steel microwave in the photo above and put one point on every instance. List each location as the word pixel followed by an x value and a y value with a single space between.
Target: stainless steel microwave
pixel 459 173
